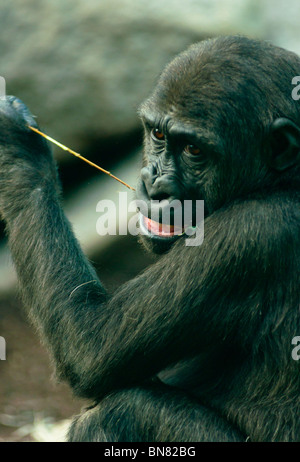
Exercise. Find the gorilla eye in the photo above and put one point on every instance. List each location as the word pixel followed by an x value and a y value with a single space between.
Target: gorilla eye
pixel 192 149
pixel 158 134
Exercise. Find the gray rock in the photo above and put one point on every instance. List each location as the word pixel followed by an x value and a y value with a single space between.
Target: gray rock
pixel 83 67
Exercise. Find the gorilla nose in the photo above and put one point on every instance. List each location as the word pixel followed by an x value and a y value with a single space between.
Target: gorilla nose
pixel 148 175
pixel 157 187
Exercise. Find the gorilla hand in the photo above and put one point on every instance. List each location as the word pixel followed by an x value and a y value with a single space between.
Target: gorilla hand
pixel 26 161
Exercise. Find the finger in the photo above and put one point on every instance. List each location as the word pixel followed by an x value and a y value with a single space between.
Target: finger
pixel 23 110
pixel 13 106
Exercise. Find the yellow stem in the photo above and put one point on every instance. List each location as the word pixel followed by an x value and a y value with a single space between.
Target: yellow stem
pixel 65 148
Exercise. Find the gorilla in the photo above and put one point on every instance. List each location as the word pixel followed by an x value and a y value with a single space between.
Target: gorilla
pixel 198 346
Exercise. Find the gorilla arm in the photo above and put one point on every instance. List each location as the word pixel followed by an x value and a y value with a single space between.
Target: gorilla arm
pixel 165 314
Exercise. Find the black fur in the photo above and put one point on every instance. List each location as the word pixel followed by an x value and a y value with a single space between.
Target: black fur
pixel 214 322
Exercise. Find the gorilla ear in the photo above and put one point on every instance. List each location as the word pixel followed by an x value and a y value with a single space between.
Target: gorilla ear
pixel 285 144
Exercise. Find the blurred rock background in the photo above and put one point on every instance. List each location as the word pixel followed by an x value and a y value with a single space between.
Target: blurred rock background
pixel 83 67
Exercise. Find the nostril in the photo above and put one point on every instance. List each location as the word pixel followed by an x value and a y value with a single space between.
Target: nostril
pixel 158 187
pixel 148 175
pixel 160 195
pixel 158 190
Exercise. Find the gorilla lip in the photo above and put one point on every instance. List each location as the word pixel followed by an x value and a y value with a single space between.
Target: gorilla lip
pixel 161 229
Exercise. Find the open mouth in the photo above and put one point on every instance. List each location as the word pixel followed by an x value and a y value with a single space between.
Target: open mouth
pixel 161 230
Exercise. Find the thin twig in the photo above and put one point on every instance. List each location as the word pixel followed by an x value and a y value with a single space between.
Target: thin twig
pixel 65 148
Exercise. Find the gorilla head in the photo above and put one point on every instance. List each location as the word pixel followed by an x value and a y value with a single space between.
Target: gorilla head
pixel 220 125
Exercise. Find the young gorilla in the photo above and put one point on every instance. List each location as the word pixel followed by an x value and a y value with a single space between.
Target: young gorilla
pixel 215 322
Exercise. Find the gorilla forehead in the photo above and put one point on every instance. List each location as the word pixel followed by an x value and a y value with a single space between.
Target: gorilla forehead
pixel 227 75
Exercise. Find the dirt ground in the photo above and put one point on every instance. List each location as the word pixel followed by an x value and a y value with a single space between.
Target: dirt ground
pixel 27 393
